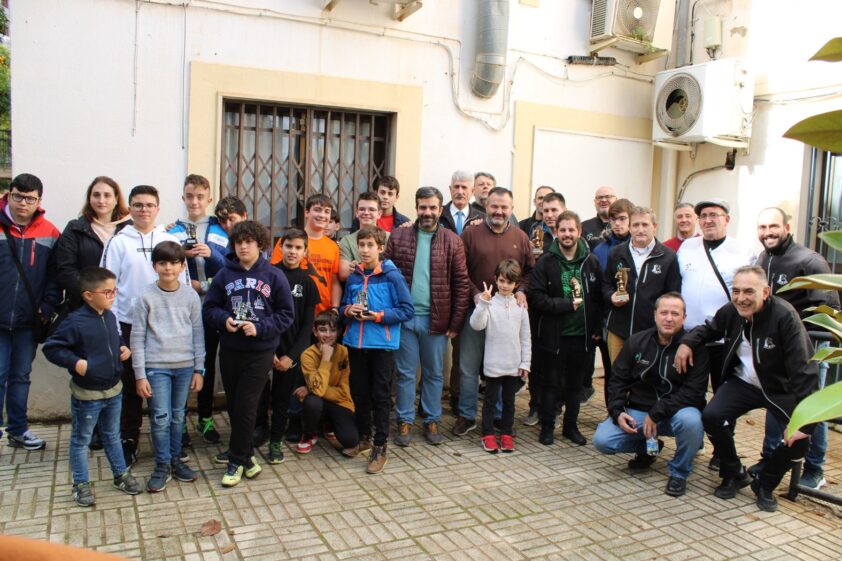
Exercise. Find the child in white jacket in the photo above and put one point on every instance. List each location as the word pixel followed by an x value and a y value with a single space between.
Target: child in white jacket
pixel 507 352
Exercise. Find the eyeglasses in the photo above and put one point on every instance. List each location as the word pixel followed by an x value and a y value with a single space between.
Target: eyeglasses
pixel 107 293
pixel 605 197
pixel 30 200
pixel 711 216
pixel 142 206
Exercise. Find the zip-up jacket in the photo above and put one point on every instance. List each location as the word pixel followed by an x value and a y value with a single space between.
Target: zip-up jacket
pixel 86 335
pixel 261 295
pixel 592 230
pixel 216 238
pixel 399 219
pixel 552 298
pixel 450 288
pixel 603 249
pixel 305 296
pixel 389 300
pixel 77 248
pixel 35 249
pixel 790 260
pixel 644 378
pixel 659 274
pixel 780 350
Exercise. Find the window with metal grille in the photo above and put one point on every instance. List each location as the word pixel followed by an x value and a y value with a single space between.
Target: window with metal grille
pixel 275 156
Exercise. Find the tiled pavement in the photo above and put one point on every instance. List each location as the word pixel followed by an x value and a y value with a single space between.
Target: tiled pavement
pixel 449 502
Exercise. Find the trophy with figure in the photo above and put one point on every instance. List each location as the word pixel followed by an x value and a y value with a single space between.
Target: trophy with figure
pixel 362 300
pixel 538 240
pixel 241 313
pixel 622 278
pixel 191 241
pixel 576 288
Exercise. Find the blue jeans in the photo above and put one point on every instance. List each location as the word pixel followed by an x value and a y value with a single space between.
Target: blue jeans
pixel 85 415
pixel 471 354
pixel 774 435
pixel 170 387
pixel 17 350
pixel 685 426
pixel 418 344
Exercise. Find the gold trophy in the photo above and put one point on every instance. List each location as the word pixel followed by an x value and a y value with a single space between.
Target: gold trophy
pixel 538 240
pixel 622 278
pixel 576 288
pixel 241 313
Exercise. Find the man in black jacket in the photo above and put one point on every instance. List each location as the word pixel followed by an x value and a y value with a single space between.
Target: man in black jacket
pixel 648 398
pixel 767 364
pixel 564 287
pixel 783 260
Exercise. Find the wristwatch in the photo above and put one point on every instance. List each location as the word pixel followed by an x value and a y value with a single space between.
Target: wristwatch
pixel 199 371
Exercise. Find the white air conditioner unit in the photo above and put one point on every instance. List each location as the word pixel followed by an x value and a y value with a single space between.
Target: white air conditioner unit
pixel 710 102
pixel 626 19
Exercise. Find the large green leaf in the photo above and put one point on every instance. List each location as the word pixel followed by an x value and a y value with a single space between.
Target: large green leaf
pixel 831 52
pixel 823 405
pixel 815 282
pixel 825 309
pixel 823 131
pixel 831 355
pixel 826 322
pixel 833 239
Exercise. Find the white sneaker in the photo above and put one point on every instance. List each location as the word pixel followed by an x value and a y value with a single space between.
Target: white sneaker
pixel 27 441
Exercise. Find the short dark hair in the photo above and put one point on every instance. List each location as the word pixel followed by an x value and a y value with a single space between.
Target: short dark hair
pixel 544 187
pixel 372 232
pixel 91 278
pixel 295 234
pixel 197 180
pixel 318 199
pixel 479 174
pixel 554 196
pixel 569 215
pixel 326 318
pixel 671 295
pixel 249 230
pixel 229 205
pixel 168 252
pixel 120 209
pixel 500 191
pixel 26 183
pixel 387 181
pixel 334 216
pixel 428 192
pixel 144 190
pixel 620 206
pixel 509 269
pixel 367 196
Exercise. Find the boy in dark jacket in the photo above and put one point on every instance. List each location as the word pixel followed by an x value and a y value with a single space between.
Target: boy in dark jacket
pixel 88 344
pixel 249 303
pixel 375 304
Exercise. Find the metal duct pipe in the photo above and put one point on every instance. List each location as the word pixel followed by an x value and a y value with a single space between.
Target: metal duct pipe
pixel 682 14
pixel 492 45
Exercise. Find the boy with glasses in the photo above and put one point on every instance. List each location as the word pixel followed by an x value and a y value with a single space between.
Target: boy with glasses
pixel 25 266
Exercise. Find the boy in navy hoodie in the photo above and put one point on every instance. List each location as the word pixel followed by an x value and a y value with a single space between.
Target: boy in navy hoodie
pixel 88 344
pixel 375 304
pixel 250 304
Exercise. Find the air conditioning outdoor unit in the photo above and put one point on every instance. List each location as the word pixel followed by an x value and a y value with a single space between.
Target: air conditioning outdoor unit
pixel 627 19
pixel 709 102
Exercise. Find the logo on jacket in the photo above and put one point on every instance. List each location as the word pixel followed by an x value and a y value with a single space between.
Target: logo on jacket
pixel 638 358
pixel 768 344
pixel 656 269
pixel 592 277
pixel 297 291
pixel 782 280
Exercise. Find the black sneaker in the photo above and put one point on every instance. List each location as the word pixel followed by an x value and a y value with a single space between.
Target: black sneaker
pixel 463 426
pixel 183 473
pixel 293 430
pixel 644 461
pixel 766 500
pixel 261 436
pixel 676 487
pixel 730 485
pixel 129 451
pixel 276 452
pixel 755 470
pixel 546 437
pixel 83 494
pixel 208 430
pixel 713 464
pixel 221 458
pixel 128 484
pixel 573 434
pixel 161 475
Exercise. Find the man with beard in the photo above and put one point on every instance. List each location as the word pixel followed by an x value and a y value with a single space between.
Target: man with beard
pixel 528 225
pixel 486 245
pixel 432 260
pixel 685 225
pixel 593 228
pixel 783 260
pixel 484 182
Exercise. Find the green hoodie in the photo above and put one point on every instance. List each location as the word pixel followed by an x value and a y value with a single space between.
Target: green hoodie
pixel 572 324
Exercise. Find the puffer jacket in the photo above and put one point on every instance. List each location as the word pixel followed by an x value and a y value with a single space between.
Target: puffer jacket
pixel 450 290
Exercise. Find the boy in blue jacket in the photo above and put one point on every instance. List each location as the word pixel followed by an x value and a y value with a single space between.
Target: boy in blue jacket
pixel 375 304
pixel 88 344
pixel 249 302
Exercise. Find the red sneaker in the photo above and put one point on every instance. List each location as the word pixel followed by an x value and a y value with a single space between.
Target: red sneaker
pixel 489 444
pixel 507 443
pixel 306 444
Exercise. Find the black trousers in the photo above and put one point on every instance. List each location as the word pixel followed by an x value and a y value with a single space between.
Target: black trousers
pixel 733 399
pixel 204 401
pixel 371 390
pixel 131 415
pixel 563 374
pixel 278 394
pixel 343 421
pixel 509 385
pixel 587 377
pixel 243 376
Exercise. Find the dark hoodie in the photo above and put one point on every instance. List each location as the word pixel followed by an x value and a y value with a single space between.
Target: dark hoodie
pixel 263 295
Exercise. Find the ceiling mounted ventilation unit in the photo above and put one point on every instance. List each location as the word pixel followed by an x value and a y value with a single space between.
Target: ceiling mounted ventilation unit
pixel 626 19
pixel 710 102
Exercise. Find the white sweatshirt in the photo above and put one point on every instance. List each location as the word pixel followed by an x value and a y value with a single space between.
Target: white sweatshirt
pixel 129 256
pixel 508 345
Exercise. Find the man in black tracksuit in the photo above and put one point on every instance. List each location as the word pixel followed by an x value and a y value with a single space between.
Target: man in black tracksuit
pixel 767 364
pixel 568 321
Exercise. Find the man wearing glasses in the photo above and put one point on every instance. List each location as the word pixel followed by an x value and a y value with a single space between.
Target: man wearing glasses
pixel 707 266
pixel 593 228
pixel 129 256
pixel 26 250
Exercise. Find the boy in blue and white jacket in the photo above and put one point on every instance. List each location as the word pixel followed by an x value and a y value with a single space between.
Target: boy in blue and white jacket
pixel 375 304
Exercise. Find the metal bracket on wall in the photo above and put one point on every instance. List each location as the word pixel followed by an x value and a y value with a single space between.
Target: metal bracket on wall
pixel 645 51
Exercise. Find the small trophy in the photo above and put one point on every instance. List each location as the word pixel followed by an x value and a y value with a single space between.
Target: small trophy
pixel 576 288
pixel 240 313
pixel 538 240
pixel 191 240
pixel 362 300
pixel 622 278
